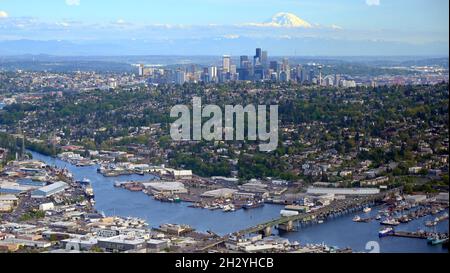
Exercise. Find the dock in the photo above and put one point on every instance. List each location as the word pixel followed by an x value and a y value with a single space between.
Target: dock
pixel 408 234
pixel 418 235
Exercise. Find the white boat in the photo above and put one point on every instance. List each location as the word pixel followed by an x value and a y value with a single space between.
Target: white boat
pixel 390 222
pixel 385 232
pixel 367 210
pixel 227 208
pixel 89 191
pixel 86 180
pixel 356 219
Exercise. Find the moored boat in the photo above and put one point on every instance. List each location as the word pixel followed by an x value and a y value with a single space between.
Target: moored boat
pixel 386 232
pixel 390 222
pixel 253 205
pixel 367 210
pixel 436 240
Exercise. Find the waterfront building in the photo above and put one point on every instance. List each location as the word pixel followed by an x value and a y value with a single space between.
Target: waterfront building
pixel 343 191
pixel 50 190
pixel 79 243
pixel 166 187
pixel 219 193
pixel 121 243
pixel 157 245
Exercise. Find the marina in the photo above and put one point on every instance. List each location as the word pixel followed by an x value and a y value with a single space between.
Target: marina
pixel 338 230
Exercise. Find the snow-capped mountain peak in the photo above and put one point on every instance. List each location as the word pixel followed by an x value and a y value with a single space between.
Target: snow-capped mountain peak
pixel 285 19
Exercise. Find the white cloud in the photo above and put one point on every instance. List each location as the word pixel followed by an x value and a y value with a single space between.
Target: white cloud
pixel 3 14
pixel 373 2
pixel 231 36
pixel 73 2
pixel 336 27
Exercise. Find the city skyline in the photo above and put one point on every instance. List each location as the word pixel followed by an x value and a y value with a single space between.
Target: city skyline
pixel 356 27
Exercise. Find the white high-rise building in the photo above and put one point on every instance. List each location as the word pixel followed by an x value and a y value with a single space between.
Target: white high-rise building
pixel 226 64
pixel 212 72
pixel 141 70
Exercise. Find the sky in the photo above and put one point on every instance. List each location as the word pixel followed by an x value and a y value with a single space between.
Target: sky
pixel 416 22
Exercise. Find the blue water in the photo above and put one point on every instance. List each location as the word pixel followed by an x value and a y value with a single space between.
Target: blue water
pixel 341 232
pixel 120 202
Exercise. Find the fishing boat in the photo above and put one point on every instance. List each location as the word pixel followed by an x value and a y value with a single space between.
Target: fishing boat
pixel 357 219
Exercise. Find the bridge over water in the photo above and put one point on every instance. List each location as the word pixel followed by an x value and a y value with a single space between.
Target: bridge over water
pixel 335 209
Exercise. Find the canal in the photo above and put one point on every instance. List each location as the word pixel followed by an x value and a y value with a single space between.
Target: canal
pixel 340 232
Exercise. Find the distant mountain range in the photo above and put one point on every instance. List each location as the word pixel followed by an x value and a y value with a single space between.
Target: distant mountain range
pixel 284 34
pixel 225 45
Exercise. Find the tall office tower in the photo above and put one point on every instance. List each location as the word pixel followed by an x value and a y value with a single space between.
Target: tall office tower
pixel 299 73
pixel 258 53
pixel 273 66
pixel 180 77
pixel 287 69
pixel 204 77
pixel 265 59
pixel 226 63
pixel 212 72
pixel 311 76
pixel 337 80
pixel 244 62
pixel 303 76
pixel 233 69
pixel 141 70
pixel 258 57
pixel 192 69
pixel 285 65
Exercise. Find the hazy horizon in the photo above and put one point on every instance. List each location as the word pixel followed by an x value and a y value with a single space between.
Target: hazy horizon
pixel 283 27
